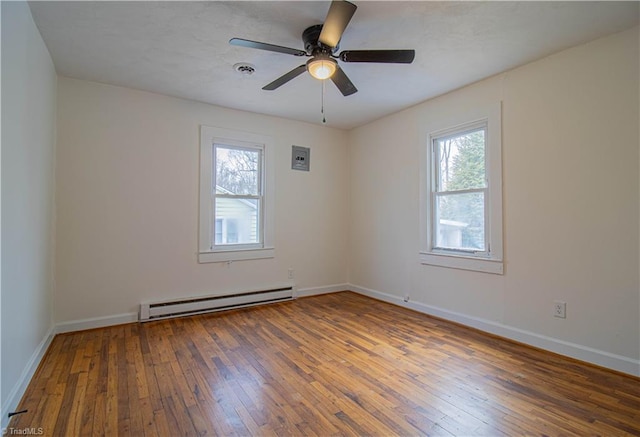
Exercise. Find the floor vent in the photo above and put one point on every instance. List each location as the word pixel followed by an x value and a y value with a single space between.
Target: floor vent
pixel 200 305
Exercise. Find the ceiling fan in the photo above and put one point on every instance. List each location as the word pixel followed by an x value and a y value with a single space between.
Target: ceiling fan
pixel 321 43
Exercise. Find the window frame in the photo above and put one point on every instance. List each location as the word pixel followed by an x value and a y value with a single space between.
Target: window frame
pixel 437 192
pixel 490 260
pixel 209 251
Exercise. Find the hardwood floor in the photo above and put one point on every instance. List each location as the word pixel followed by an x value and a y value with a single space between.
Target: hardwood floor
pixel 337 364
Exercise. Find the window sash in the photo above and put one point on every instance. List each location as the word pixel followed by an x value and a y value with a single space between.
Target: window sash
pixel 435 144
pixel 435 221
pixel 436 192
pixel 246 147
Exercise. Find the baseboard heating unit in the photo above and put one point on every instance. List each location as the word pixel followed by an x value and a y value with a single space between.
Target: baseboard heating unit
pixel 208 304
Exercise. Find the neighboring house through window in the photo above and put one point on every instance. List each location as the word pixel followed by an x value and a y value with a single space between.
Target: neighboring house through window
pixel 235 196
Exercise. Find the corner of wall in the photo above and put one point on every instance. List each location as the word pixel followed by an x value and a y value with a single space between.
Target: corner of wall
pixel 28 142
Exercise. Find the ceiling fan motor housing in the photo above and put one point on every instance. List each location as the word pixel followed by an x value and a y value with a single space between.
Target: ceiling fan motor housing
pixel 310 38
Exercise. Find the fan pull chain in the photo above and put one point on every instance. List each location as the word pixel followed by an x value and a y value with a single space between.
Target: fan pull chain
pixel 324 120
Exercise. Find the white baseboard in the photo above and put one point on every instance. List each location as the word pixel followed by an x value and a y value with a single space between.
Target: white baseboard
pixel 583 353
pixel 314 291
pixel 16 393
pixel 95 322
pixel 119 319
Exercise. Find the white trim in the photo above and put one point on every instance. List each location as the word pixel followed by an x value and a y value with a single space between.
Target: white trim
pixel 316 291
pixel 16 393
pixel 236 255
pixel 478 264
pixel 95 322
pixel 583 353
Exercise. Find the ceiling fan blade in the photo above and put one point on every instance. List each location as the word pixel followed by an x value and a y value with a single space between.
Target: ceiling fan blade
pixel 382 56
pixel 343 83
pixel 285 78
pixel 264 46
pixel 338 17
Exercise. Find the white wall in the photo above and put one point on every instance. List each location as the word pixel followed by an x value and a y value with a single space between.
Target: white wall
pixel 571 229
pixel 28 148
pixel 127 202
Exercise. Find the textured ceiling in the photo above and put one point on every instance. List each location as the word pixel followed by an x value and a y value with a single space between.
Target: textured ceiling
pixel 181 48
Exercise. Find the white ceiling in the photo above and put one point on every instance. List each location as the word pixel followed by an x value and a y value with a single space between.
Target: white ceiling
pixel 181 48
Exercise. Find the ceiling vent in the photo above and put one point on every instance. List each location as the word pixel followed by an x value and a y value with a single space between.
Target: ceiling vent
pixel 244 68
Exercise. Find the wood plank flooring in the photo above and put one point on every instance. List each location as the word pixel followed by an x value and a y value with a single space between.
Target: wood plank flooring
pixel 337 364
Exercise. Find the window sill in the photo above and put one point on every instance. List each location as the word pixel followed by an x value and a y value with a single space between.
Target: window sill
pixel 235 255
pixel 486 265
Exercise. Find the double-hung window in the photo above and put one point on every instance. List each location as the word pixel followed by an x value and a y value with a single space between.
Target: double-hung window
pixel 462 202
pixel 237 195
pixel 459 198
pixel 235 203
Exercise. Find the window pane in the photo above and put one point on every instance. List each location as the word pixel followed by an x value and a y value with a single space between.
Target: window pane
pixel 460 221
pixel 237 170
pixel 461 163
pixel 240 218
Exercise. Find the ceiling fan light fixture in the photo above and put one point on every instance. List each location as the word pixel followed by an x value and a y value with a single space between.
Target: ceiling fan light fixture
pixel 321 42
pixel 322 67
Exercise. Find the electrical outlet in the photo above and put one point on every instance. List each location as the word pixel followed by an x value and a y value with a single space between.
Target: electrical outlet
pixel 406 298
pixel 291 275
pixel 560 309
